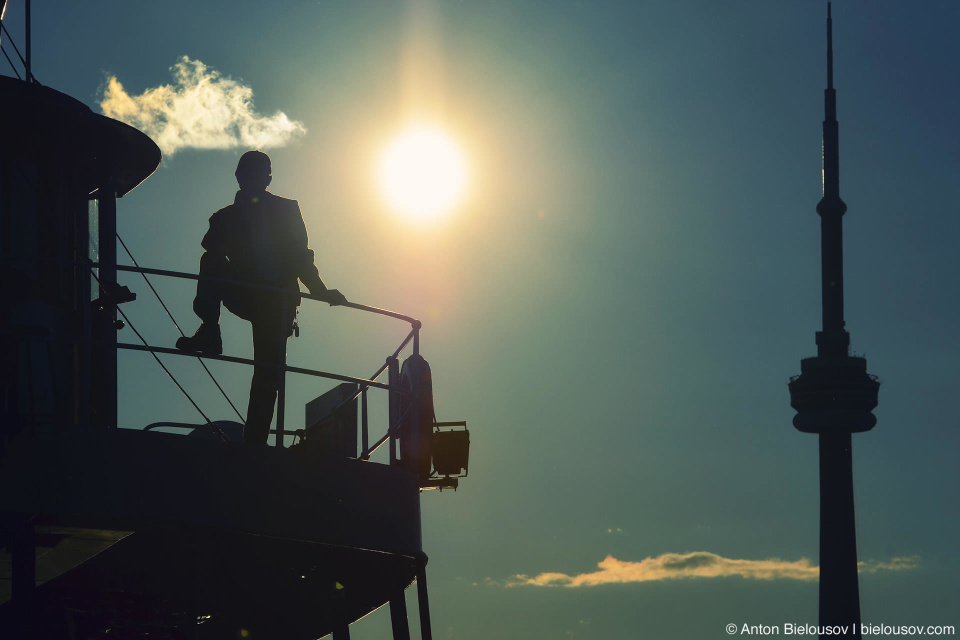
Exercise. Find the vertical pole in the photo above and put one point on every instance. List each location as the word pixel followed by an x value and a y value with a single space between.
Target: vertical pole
pixel 23 553
pixel 23 562
pixel 398 616
pixel 341 624
pixel 27 63
pixel 393 380
pixel 425 630
pixel 107 348
pixel 82 279
pixel 282 386
pixel 281 403
pixel 364 429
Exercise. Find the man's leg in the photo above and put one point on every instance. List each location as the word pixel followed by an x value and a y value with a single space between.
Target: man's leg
pixel 207 306
pixel 270 332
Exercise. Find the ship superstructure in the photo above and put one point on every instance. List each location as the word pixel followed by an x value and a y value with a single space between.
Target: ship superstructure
pixel 170 530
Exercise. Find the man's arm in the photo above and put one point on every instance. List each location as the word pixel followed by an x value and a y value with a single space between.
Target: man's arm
pixel 316 286
pixel 306 267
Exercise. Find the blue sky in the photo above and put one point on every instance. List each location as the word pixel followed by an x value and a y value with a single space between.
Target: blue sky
pixel 619 301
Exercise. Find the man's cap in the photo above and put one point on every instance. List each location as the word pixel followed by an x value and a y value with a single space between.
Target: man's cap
pixel 254 162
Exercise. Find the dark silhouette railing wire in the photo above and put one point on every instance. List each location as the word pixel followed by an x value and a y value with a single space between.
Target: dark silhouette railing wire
pixel 15 49
pixel 12 66
pixel 27 71
pixel 174 321
pixel 216 429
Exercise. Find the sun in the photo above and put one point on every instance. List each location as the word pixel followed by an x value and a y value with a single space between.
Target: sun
pixel 422 173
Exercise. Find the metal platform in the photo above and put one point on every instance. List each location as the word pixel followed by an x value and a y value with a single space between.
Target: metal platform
pixel 275 542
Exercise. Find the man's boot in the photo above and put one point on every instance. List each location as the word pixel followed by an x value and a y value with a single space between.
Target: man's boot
pixel 206 341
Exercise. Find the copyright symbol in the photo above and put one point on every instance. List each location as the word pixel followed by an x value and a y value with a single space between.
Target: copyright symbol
pixel 731 629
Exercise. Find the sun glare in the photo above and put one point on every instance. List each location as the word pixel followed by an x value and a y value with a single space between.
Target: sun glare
pixel 422 173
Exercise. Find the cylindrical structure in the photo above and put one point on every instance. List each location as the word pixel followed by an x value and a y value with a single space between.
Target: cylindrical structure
pixel 839 586
pixel 55 152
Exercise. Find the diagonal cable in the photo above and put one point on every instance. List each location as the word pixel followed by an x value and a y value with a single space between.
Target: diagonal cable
pixel 5 55
pixel 19 55
pixel 216 429
pixel 170 315
pixel 13 44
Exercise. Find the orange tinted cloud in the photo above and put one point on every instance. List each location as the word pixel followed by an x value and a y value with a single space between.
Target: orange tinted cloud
pixel 697 564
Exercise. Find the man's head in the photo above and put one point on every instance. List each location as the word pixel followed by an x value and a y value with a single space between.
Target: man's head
pixel 253 171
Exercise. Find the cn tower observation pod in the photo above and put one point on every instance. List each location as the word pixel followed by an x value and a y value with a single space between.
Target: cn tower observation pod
pixel 133 531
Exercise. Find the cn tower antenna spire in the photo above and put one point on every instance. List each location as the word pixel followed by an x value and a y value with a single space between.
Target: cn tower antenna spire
pixel 834 338
pixel 829 48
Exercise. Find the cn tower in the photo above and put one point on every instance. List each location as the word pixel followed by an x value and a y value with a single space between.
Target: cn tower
pixel 834 395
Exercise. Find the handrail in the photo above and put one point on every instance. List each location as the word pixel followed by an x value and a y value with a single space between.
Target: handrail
pixel 416 324
pixel 362 383
pixel 247 361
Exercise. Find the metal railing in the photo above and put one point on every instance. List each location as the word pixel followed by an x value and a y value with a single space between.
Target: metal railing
pixel 391 365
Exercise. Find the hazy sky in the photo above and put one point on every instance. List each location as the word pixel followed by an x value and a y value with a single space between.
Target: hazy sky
pixel 619 302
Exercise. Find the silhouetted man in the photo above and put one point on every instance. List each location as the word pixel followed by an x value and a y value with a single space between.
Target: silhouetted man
pixel 260 239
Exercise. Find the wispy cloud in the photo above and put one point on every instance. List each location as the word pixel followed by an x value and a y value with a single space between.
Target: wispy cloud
pixel 895 564
pixel 697 564
pixel 201 109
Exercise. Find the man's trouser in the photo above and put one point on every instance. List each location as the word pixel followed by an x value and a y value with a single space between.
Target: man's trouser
pixel 271 316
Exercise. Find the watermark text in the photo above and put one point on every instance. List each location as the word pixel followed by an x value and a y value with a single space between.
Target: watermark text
pixel 864 629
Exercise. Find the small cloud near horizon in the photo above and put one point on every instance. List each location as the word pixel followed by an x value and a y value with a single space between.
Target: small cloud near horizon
pixel 201 109
pixel 697 564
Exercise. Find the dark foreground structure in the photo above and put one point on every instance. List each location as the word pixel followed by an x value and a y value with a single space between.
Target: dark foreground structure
pixel 834 395
pixel 110 530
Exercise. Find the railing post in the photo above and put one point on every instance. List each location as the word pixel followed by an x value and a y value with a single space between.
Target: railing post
pixel 28 49
pixel 281 403
pixel 393 380
pixel 282 378
pixel 364 430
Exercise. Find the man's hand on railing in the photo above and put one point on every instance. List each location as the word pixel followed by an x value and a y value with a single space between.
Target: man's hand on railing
pixel 333 297
pixel 316 287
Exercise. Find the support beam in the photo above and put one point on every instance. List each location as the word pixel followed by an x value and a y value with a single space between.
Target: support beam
pixel 104 328
pixel 23 552
pixel 341 629
pixel 398 617
pixel 426 633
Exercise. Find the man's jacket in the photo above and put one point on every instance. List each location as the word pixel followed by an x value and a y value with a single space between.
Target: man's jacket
pixel 265 241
